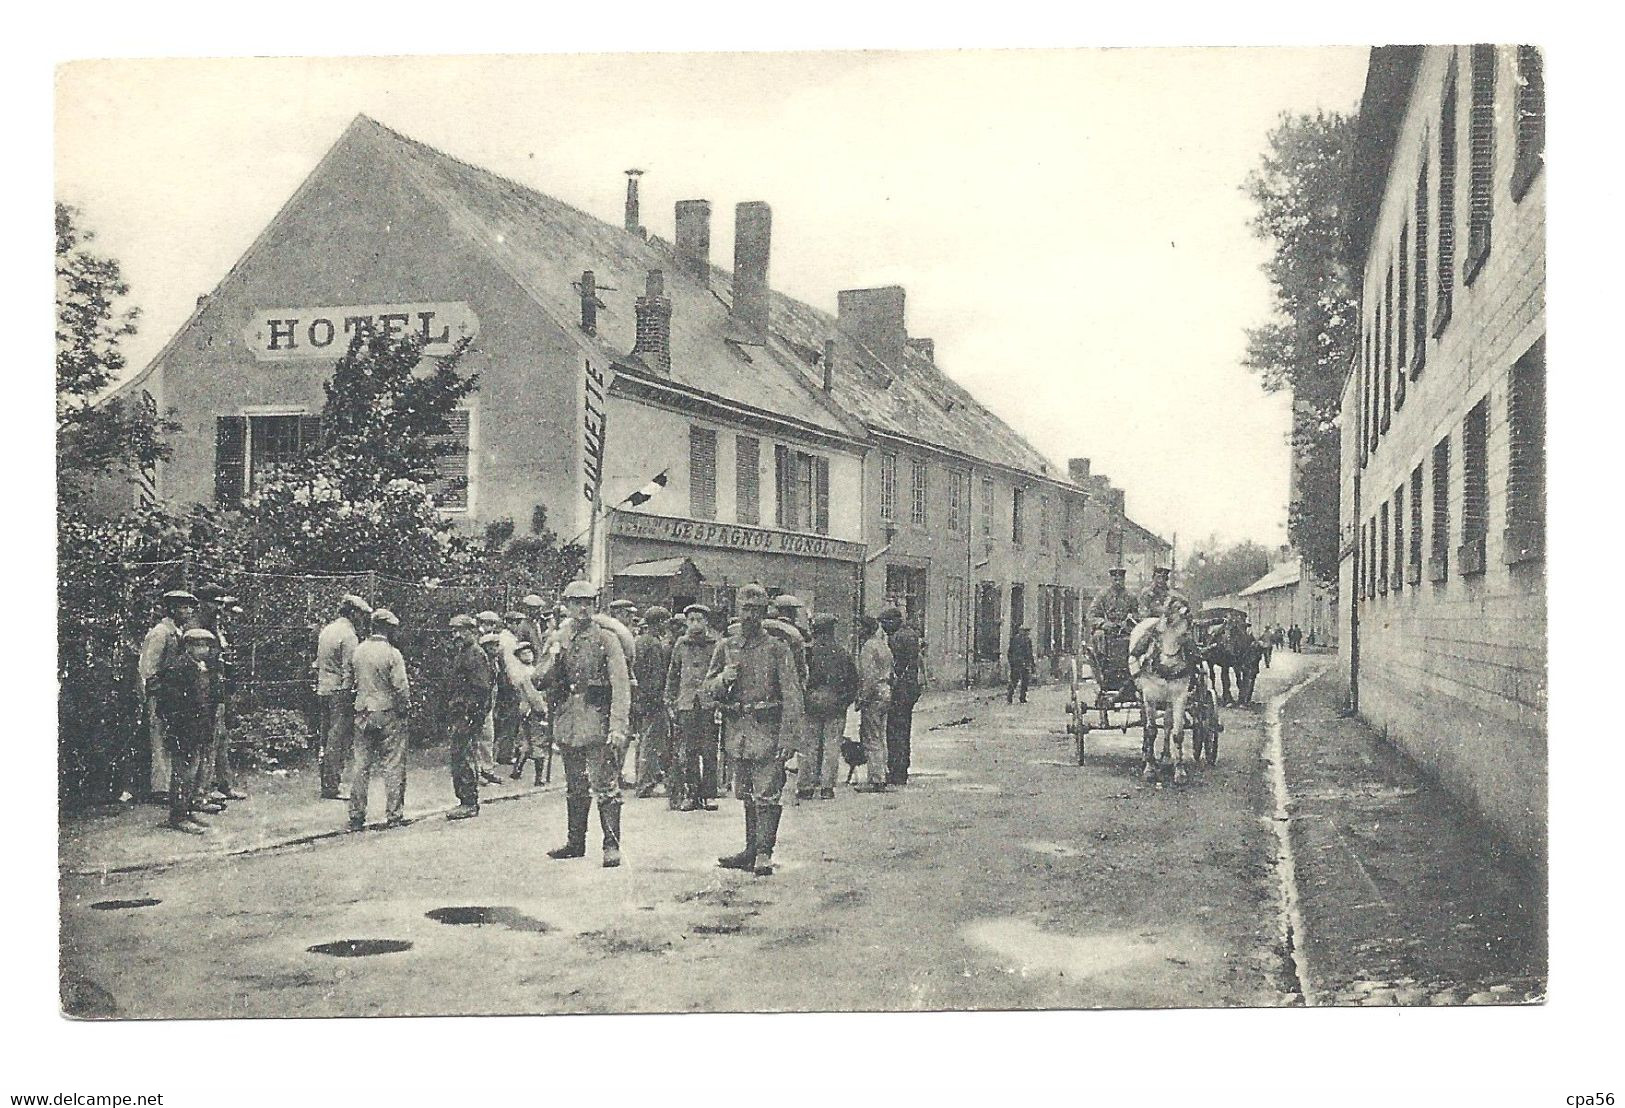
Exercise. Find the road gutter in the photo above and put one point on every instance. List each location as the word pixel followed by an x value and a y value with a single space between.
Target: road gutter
pixel 1292 934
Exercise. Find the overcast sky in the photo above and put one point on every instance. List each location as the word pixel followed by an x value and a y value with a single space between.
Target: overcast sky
pixel 1069 225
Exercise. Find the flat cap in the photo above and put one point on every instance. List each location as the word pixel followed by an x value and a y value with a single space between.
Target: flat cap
pixel 211 592
pixel 179 596
pixel 524 644
pixel 580 590
pixel 787 600
pixel 703 609
pixel 654 613
pixel 515 616
pixel 461 620
pixel 488 616
pixel 490 638
pixel 384 615
pixel 620 602
pixel 752 594
pixel 199 634
pixel 358 603
pixel 533 601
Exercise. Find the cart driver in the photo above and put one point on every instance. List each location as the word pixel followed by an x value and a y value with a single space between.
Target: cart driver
pixel 1111 609
pixel 1154 597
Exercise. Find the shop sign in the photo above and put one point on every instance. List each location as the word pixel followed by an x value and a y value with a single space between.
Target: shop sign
pixel 729 536
pixel 296 334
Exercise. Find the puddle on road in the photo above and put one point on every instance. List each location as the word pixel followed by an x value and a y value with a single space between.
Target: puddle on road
pixel 1033 950
pixel 480 916
pixel 360 948
pixel 119 905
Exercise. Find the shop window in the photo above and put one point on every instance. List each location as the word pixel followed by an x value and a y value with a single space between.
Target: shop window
pixel 702 472
pixel 1481 138
pixel 1531 140
pixel 1439 560
pixel 1447 203
pixel 888 487
pixel 748 479
pixel 803 490
pixel 1419 300
pixel 987 621
pixel 1526 461
pixel 917 493
pixel 1474 488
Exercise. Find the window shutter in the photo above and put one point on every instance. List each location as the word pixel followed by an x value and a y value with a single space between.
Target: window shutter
pixel 785 486
pixel 1531 120
pixel 821 495
pixel 230 436
pixel 310 433
pixel 702 473
pixel 1481 138
pixel 747 479
pixel 1447 203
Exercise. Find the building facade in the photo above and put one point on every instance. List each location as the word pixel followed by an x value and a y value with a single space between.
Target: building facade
pixel 1443 575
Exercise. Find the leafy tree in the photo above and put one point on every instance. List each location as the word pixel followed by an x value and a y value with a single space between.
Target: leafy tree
pixel 1216 570
pixel 533 560
pixel 1298 192
pixel 95 438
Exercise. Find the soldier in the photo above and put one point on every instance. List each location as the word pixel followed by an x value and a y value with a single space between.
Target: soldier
pixel 335 688
pixel 162 646
pixel 1020 658
pixel 382 699
pixel 485 750
pixel 904 644
pixel 650 661
pixel 468 701
pixel 874 699
pixel 532 716
pixel 832 686
pixel 188 696
pixel 505 710
pixel 588 664
pixel 534 628
pixel 693 776
pixel 1154 597
pixel 1111 610
pixel 753 677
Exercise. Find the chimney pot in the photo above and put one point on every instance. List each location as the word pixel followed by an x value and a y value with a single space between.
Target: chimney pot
pixel 589 302
pixel 875 318
pixel 753 240
pixel 829 364
pixel 632 226
pixel 694 239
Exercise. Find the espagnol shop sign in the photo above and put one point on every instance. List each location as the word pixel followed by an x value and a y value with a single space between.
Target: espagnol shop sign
pixel 293 334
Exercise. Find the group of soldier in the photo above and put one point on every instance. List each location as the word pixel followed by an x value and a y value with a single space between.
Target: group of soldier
pixel 775 690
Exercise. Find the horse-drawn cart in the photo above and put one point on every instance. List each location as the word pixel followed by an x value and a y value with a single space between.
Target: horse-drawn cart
pixel 1103 664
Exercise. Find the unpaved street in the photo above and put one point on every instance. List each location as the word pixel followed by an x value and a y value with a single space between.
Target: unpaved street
pixel 1007 877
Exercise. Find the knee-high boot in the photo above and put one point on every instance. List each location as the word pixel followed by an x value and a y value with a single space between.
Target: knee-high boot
pixel 745 859
pixel 609 820
pixel 576 824
pixel 767 837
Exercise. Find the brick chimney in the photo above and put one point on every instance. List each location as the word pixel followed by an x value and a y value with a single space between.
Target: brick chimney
pixel 1078 470
pixel 694 239
pixel 588 289
pixel 875 318
pixel 653 343
pixel 829 364
pixel 633 227
pixel 753 240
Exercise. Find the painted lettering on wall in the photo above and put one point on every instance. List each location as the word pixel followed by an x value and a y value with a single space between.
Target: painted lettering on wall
pixel 296 334
pixel 592 438
pixel 731 536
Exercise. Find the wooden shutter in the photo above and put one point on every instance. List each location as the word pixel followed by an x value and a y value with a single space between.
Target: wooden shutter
pixel 230 437
pixel 310 433
pixel 821 495
pixel 1531 133
pixel 747 479
pixel 702 473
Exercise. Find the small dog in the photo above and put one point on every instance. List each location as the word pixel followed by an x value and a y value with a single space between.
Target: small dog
pixel 852 754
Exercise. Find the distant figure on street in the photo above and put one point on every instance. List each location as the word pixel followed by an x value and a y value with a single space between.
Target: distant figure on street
pixel 505 710
pixel 904 643
pixel 161 646
pixel 874 701
pixel 533 734
pixel 651 659
pixel 1020 657
pixel 468 690
pixel 692 779
pixel 188 694
pixel 335 689
pixel 382 700
pixel 490 623
pixel 1266 644
pixel 832 686
pixel 1111 610
pixel 1294 638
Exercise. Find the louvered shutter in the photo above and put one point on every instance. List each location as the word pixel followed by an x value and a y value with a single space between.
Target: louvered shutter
pixel 310 434
pixel 821 495
pixel 230 437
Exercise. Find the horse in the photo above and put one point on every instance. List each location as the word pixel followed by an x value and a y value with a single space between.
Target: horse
pixel 1233 648
pixel 1164 655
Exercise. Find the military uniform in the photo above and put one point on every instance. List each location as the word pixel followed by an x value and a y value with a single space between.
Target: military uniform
pixel 1109 612
pixel 1154 600
pixel 904 643
pixel 694 758
pixel 468 692
pixel 650 662
pixel 589 667
pixel 188 697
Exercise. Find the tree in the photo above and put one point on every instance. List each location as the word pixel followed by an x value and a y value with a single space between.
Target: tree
pixel 529 560
pixel 1216 570
pixel 1299 192
pixel 92 437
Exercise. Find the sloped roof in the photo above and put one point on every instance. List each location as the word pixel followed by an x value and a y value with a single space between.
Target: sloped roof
pixel 545 244
pixel 1287 573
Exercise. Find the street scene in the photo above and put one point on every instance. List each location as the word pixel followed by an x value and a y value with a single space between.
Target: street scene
pixel 563 553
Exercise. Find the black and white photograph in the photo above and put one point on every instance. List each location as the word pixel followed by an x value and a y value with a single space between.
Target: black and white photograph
pixel 681 533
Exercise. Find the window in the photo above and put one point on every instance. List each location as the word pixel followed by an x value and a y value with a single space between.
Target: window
pixel 1017 495
pixel 803 490
pixel 1359 566
pixel 905 587
pixel 987 621
pixel 702 472
pixel 747 479
pixel 1386 331
pixel 1526 460
pixel 1419 301
pixel 1043 646
pixel 954 616
pixel 1403 326
pixel 957 482
pixel 1414 572
pixel 917 489
pixel 1018 607
pixel 1447 203
pixel 1481 137
pixel 1474 488
pixel 1397 579
pixel 888 487
pixel 1368 423
pixel 454 463
pixel 1439 562
pixel 246 448
pixel 1531 140
pixel 1382 549
pixel 1044 522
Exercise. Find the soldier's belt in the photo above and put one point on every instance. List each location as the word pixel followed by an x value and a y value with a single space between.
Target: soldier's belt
pixel 755 708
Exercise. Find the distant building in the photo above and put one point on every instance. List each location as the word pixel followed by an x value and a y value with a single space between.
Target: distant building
pixel 1288 594
pixel 1443 572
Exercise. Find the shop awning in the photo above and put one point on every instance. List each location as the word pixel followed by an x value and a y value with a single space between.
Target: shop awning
pixel 660 567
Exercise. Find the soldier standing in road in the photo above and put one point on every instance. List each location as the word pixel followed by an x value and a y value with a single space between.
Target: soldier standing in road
pixel 650 660
pixel 188 694
pixel 1111 610
pixel 753 677
pixel 162 646
pixel 1154 597
pixel 874 699
pixel 1020 657
pixel 382 700
pixel 693 777
pixel 505 711
pixel 485 750
pixel 468 700
pixel 590 725
pixel 335 688
pixel 904 643
pixel 832 686
pixel 533 737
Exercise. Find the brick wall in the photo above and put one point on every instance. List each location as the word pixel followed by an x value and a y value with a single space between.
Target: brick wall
pixel 1454 669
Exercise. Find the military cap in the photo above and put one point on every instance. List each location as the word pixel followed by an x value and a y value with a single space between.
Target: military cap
pixel 580 590
pixel 703 609
pixel 752 595
pixel 515 616
pixel 461 621
pixel 199 634
pixel 1117 571
pixel 489 638
pixel 1162 569
pixel 488 616
pixel 533 601
pixel 211 592
pixel 654 613
pixel 823 621
pixel 356 602
pixel 384 615
pixel 524 644
pixel 787 600
pixel 621 602
pixel 889 613
pixel 178 596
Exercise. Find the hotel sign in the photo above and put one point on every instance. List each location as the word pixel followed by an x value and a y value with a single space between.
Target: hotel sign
pixel 298 334
pixel 730 536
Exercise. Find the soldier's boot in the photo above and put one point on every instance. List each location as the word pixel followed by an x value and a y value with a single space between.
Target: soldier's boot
pixel 609 819
pixel 767 837
pixel 745 859
pixel 576 824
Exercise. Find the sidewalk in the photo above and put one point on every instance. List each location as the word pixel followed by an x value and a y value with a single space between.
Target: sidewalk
pixel 1406 898
pixel 282 808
